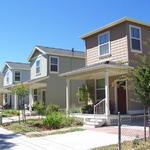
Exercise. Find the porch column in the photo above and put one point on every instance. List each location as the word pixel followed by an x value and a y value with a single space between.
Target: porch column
pixel 67 94
pixel 107 110
pixel 15 101
pixel 30 100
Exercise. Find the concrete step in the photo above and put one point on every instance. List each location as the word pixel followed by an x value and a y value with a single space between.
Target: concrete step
pixel 94 124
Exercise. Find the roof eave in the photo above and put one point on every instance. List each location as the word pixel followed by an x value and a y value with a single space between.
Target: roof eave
pixel 113 24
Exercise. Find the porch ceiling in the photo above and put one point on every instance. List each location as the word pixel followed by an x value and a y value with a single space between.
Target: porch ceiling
pixel 98 71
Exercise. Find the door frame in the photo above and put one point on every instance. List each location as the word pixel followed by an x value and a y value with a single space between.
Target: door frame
pixel 116 95
pixel 43 90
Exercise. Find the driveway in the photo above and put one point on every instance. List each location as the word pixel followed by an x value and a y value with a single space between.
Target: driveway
pixel 80 140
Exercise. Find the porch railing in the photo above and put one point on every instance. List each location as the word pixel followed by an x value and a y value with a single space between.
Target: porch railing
pixel 99 108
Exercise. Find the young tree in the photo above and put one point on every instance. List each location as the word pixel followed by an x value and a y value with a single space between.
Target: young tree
pixel 21 91
pixel 141 80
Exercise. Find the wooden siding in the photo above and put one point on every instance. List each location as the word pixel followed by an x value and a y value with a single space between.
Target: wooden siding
pixel 118 46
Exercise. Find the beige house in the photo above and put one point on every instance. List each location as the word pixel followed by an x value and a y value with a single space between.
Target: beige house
pixel 45 83
pixel 111 52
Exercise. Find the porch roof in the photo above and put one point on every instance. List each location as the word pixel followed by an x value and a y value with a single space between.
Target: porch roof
pixel 97 71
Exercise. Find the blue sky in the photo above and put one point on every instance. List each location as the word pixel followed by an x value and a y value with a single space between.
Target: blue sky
pixel 58 23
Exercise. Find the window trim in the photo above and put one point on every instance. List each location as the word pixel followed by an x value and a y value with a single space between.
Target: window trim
pixel 96 99
pixel 109 53
pixel 15 76
pixel 140 39
pixel 55 72
pixel 37 67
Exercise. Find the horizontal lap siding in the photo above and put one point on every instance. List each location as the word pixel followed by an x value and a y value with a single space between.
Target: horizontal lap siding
pixel 118 44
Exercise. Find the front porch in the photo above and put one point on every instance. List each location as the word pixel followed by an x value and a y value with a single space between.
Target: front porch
pixel 108 97
pixel 37 91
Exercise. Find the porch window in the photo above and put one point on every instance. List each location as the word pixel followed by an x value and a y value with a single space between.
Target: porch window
pixel 6 98
pixel 35 94
pixel 17 76
pixel 135 38
pixel 104 44
pixel 54 64
pixel 38 62
pixel 100 89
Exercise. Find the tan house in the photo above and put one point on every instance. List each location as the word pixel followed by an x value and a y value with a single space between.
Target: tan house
pixel 111 52
pixel 45 83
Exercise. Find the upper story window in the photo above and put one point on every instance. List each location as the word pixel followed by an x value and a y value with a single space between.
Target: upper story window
pixel 135 39
pixel 104 44
pixel 7 77
pixel 17 76
pixel 54 64
pixel 38 68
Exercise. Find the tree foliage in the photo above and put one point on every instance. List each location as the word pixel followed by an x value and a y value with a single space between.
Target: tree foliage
pixel 141 78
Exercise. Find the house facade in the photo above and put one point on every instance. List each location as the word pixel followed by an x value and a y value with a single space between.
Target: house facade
pixel 46 85
pixel 111 52
pixel 14 73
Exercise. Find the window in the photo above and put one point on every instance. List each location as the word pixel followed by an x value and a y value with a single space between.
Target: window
pixel 135 38
pixel 7 77
pixel 6 98
pixel 17 76
pixel 54 64
pixel 35 94
pixel 38 62
pixel 100 89
pixel 104 44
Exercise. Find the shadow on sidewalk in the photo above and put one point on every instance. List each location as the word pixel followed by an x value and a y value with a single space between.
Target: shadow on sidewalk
pixel 5 145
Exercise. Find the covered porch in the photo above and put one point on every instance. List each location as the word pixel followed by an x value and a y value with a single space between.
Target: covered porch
pixel 106 96
pixel 37 91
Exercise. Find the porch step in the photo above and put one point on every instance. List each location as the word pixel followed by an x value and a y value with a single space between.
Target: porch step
pixel 92 123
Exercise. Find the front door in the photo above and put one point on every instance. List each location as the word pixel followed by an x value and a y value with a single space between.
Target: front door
pixel 44 96
pixel 121 96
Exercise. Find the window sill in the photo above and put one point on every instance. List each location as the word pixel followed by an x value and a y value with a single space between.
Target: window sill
pixel 53 72
pixel 38 74
pixel 136 51
pixel 104 56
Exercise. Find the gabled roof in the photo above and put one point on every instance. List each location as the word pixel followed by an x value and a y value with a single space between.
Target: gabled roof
pixel 57 51
pixel 17 66
pixel 114 24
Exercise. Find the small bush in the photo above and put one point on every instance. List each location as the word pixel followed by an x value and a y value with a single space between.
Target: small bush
pixel 39 108
pixel 52 108
pixel 53 120
pixel 88 109
pixel 75 110
pixel 10 113
pixel 57 120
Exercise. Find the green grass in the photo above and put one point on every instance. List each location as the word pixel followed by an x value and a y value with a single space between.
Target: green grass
pixel 129 145
pixel 10 113
pixel 34 128
pixel 29 126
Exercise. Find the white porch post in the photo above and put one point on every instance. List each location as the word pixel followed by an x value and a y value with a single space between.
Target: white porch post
pixel 30 100
pixel 67 94
pixel 15 101
pixel 107 110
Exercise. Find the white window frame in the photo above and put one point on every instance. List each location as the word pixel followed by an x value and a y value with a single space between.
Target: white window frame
pixel 54 64
pixel 15 76
pixel 140 39
pixel 99 45
pixel 35 95
pixel 96 99
pixel 38 67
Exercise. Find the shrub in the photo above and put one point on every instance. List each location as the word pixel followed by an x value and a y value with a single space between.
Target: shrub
pixel 57 120
pixel 75 110
pixel 39 108
pixel 53 120
pixel 10 113
pixel 88 109
pixel 52 108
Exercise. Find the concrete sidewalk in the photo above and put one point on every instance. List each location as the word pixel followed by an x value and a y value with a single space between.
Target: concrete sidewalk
pixel 80 140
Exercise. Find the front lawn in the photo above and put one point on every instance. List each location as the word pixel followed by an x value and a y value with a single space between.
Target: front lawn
pixel 10 113
pixel 130 145
pixel 46 126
